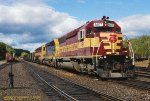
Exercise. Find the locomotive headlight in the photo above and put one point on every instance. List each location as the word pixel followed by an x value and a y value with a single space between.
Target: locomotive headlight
pixel 104 56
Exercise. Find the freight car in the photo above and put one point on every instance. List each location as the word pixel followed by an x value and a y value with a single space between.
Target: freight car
pixel 96 47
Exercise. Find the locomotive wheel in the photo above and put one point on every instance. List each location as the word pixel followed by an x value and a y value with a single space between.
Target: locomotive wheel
pixel 49 63
pixel 60 65
pixel 53 63
pixel 90 68
pixel 82 69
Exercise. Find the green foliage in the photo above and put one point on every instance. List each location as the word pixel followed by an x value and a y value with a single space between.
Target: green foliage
pixel 9 49
pixel 141 45
pixel 2 50
pixel 2 47
pixel 24 55
pixel 5 48
pixel 18 52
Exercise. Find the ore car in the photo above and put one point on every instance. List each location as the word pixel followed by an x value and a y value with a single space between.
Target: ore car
pixel 96 47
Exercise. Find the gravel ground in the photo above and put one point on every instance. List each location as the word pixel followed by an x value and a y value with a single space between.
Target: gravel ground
pixel 2 62
pixel 115 89
pixel 25 88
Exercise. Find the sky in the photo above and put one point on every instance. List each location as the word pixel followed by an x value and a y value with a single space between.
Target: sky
pixel 28 24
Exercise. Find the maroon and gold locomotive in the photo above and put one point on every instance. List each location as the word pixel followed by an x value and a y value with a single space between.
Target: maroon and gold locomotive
pixel 96 47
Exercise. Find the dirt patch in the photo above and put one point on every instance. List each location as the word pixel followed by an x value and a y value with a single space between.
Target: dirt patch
pixel 144 63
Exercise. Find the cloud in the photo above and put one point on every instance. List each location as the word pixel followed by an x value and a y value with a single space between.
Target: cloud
pixel 5 39
pixel 135 25
pixel 32 2
pixel 29 46
pixel 31 23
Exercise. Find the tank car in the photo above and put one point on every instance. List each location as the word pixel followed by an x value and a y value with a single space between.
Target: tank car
pixel 96 47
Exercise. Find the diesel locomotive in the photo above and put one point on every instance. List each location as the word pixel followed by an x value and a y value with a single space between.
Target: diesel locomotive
pixel 96 47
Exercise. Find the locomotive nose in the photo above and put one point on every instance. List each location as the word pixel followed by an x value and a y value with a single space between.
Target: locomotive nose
pixel 113 38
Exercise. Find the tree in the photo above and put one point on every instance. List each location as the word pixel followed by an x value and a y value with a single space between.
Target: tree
pixel 141 46
pixel 18 52
pixel 9 49
pixel 24 55
pixel 2 50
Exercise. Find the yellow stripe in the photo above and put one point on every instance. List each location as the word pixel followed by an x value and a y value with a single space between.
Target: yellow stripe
pixel 108 52
pixel 93 42
pixel 107 47
pixel 80 56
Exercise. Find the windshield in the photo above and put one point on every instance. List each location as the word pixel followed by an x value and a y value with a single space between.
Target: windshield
pixel 101 29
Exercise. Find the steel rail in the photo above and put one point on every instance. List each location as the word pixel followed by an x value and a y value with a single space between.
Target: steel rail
pixel 70 98
pixel 109 97
pixel 142 73
pixel 65 95
pixel 3 66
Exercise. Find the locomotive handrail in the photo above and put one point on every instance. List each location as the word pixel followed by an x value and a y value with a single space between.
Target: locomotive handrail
pixel 93 45
pixel 130 48
pixel 98 49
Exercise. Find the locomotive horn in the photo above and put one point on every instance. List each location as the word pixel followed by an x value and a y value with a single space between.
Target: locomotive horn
pixel 104 17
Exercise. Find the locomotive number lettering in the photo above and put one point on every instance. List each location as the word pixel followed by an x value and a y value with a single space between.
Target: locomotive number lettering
pixel 98 24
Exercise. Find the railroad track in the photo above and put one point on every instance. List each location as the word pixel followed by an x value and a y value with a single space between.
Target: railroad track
pixel 136 84
pixel 142 73
pixel 3 66
pixel 144 69
pixel 64 90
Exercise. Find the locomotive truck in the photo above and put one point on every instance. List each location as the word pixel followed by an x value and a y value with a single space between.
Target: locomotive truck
pixel 96 47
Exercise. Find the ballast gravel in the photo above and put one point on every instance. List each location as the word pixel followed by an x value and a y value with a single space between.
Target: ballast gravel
pixel 109 87
pixel 25 87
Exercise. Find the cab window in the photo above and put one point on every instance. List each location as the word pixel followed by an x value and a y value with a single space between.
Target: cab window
pixel 102 29
pixel 81 34
pixel 117 30
pixel 89 30
pixel 43 48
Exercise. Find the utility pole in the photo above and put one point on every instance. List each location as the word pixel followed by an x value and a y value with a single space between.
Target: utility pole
pixel 11 79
